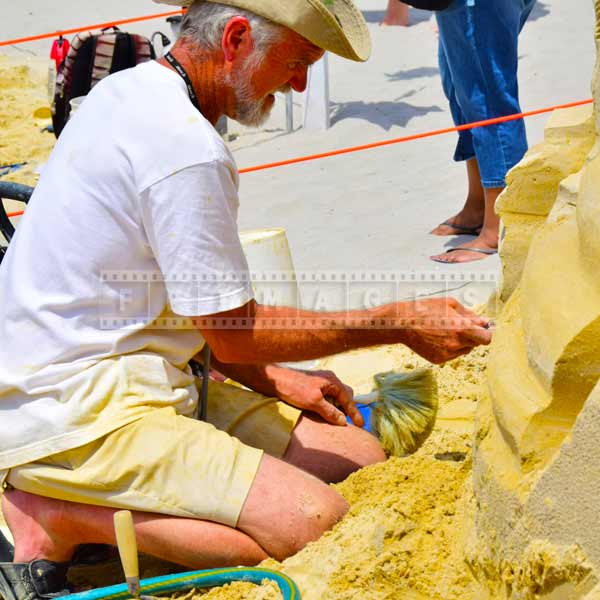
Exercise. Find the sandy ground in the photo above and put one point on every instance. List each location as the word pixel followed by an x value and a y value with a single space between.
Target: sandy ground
pixel 370 210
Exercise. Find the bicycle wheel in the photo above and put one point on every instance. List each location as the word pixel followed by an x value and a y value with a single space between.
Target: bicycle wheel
pixel 10 191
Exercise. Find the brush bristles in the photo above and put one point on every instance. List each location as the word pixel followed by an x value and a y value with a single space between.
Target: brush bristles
pixel 405 411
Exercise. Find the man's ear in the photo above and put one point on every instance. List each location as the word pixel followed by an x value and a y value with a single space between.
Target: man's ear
pixel 237 38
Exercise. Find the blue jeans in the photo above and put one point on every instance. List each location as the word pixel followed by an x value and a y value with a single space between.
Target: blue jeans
pixel 478 64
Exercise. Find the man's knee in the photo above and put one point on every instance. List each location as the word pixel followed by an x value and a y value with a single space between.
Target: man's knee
pixel 368 449
pixel 288 508
pixel 317 515
pixel 364 450
pixel 331 452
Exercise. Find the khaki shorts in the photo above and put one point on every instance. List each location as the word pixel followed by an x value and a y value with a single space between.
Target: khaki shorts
pixel 171 464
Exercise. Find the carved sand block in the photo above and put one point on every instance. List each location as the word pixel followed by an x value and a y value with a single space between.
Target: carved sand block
pixel 560 309
pixel 536 382
pixel 533 184
pixel 537 456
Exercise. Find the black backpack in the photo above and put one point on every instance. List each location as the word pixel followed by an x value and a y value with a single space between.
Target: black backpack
pixel 429 4
pixel 90 59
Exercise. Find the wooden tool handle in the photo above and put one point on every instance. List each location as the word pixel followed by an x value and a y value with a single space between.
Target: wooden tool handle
pixel 126 542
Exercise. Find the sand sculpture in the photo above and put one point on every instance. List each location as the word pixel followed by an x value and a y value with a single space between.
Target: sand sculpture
pixel 536 467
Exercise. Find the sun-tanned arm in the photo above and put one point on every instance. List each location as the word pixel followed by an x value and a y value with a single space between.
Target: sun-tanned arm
pixel 319 392
pixel 437 329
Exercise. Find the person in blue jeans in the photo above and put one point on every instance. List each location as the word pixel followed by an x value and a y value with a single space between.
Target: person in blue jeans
pixel 478 57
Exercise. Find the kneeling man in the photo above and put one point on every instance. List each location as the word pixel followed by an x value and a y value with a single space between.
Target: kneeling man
pixel 136 214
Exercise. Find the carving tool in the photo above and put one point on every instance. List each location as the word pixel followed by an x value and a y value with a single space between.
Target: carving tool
pixel 127 544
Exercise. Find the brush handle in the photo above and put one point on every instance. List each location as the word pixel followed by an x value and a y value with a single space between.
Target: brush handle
pixel 369 398
pixel 127 544
pixel 366 411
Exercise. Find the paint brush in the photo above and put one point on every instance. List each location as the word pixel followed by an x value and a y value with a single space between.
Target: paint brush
pixel 401 410
pixel 127 544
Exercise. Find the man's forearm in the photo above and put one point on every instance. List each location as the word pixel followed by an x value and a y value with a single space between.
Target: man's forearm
pixel 260 378
pixel 279 334
pixel 438 329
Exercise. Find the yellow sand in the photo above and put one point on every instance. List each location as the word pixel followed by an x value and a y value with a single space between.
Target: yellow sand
pixel 404 536
pixel 23 90
pixel 520 524
pixel 237 591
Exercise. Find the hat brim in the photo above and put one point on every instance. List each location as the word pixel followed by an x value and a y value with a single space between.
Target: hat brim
pixel 338 27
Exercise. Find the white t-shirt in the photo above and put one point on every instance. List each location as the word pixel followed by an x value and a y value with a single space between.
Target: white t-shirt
pixel 131 227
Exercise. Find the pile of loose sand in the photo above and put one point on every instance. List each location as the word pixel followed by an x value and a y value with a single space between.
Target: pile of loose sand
pixel 237 591
pixel 23 91
pixel 405 533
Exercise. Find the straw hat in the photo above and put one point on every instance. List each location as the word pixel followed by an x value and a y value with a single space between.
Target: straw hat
pixel 334 25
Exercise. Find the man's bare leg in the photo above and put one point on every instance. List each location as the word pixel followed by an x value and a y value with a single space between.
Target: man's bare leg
pixel 285 509
pixel 50 529
pixel 396 14
pixel 473 213
pixel 330 452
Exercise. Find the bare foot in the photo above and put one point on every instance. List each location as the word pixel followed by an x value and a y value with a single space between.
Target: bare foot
pixel 35 523
pixel 480 248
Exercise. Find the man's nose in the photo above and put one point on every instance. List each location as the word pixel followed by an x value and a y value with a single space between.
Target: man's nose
pixel 298 81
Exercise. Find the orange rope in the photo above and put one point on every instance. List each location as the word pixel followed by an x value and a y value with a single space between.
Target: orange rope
pixel 45 36
pixel 416 136
pixel 407 138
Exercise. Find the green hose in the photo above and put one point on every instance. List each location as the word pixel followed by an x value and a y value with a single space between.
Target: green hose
pixel 167 584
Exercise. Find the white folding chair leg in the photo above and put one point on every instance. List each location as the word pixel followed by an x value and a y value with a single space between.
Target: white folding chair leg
pixel 316 97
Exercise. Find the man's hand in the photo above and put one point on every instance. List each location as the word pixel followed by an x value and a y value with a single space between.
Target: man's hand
pixel 441 329
pixel 320 392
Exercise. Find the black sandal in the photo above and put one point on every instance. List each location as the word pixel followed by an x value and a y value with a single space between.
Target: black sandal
pixel 37 580
pixel 85 554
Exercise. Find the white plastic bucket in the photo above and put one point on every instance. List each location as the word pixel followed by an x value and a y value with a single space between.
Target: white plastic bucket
pixel 272 273
pixel 271 267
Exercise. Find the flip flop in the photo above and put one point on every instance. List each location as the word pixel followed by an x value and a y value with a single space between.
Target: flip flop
pixel 462 230
pixel 477 250
pixel 37 580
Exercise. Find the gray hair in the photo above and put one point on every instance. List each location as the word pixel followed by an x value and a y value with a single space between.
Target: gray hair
pixel 204 24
